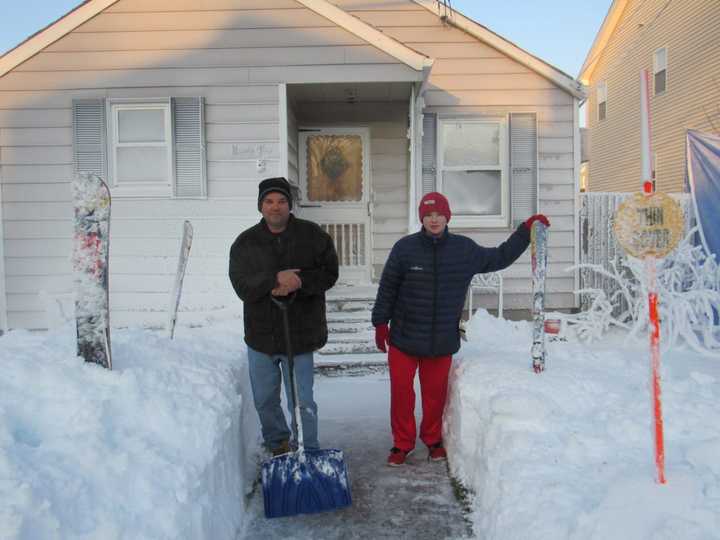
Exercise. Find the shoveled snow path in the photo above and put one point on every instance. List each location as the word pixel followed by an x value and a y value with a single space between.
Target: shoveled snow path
pixel 414 501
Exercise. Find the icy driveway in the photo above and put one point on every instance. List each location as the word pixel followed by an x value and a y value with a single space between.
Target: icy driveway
pixel 415 501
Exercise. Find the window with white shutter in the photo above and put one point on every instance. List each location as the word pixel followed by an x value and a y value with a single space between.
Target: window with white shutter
pixel 153 148
pixel 141 143
pixel 89 132
pixel 523 166
pixel 429 151
pixel 190 167
pixel 489 175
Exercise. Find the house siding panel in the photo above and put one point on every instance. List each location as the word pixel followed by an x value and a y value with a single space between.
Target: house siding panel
pixel 232 54
pixel 471 78
pixel 233 57
pixel 691 33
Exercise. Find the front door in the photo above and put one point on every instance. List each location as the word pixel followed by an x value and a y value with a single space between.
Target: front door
pixel 335 193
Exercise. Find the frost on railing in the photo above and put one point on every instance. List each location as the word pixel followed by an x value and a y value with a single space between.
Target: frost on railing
pixel 688 284
pixel 492 281
pixel 599 247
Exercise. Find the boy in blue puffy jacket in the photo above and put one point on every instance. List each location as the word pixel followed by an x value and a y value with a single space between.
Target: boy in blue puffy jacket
pixel 417 314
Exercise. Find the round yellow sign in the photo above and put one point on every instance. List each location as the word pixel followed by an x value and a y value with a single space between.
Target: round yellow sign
pixel 649 225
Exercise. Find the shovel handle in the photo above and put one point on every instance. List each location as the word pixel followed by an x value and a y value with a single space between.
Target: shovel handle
pixel 283 305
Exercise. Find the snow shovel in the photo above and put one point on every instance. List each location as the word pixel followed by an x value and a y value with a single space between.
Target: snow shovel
pixel 304 481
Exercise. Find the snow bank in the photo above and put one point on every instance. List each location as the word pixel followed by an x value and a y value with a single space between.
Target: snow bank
pixel 156 448
pixel 568 453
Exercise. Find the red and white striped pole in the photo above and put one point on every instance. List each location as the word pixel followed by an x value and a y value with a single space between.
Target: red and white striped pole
pixel 651 275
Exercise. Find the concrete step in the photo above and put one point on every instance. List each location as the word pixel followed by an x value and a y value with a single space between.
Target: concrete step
pixel 359 292
pixel 349 312
pixel 349 348
pixel 360 337
pixel 343 361
pixel 350 327
pixel 349 305
pixel 348 316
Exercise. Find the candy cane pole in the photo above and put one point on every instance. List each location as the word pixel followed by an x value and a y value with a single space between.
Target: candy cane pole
pixel 651 275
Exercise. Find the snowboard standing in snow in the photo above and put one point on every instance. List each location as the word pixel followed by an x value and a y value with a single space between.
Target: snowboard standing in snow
pixel 538 253
pixel 91 199
pixel 185 246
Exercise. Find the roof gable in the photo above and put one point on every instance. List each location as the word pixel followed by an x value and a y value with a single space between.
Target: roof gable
pixel 484 34
pixel 51 33
pixel 90 8
pixel 602 38
pixel 367 33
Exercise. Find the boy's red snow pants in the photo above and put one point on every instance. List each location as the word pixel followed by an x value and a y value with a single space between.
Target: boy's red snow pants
pixel 434 373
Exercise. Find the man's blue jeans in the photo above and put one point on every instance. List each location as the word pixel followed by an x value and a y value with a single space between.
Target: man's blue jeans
pixel 265 375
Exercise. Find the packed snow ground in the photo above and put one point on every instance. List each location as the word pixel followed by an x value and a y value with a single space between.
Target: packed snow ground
pixel 152 449
pixel 414 502
pixel 569 453
pixel 165 445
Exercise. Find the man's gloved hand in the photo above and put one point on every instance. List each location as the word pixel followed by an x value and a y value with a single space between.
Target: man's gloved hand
pixel 537 217
pixel 382 334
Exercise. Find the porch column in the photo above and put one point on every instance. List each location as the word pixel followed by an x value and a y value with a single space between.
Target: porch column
pixel 415 134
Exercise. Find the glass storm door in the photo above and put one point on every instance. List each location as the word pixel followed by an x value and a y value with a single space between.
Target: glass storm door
pixel 334 192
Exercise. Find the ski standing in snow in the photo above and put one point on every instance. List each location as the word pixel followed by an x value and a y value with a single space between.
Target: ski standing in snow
pixel 91 249
pixel 185 246
pixel 538 254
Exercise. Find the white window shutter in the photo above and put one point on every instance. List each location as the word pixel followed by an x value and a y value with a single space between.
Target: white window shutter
pixel 429 153
pixel 90 137
pixel 523 166
pixel 189 137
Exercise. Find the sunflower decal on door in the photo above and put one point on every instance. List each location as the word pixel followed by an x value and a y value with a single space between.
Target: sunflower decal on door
pixel 334 164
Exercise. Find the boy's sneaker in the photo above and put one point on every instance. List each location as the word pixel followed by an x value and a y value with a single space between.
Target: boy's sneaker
pixel 280 449
pixel 437 452
pixel 397 457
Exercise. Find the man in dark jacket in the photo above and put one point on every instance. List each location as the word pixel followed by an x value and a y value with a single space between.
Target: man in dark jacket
pixel 295 261
pixel 421 296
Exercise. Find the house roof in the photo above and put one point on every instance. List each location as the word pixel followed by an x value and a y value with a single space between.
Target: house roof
pixel 484 34
pixel 89 8
pixel 51 33
pixel 417 61
pixel 368 33
pixel 601 39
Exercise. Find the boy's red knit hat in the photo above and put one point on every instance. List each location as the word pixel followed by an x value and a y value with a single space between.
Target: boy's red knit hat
pixel 434 202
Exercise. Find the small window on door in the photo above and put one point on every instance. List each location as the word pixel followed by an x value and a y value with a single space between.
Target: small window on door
pixel 141 148
pixel 660 70
pixel 602 101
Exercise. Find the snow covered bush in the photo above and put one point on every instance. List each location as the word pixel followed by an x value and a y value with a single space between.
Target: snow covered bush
pixel 688 287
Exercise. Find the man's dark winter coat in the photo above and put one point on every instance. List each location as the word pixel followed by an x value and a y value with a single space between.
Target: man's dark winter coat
pixel 256 256
pixel 424 283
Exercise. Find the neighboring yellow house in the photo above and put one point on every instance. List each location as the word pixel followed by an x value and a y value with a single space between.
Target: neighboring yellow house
pixel 679 43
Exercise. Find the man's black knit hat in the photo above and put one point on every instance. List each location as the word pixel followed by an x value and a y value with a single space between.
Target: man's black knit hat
pixel 278 184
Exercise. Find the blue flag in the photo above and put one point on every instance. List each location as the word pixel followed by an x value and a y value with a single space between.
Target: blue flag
pixel 703 175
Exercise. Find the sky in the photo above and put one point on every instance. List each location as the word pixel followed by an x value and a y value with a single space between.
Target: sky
pixel 558 31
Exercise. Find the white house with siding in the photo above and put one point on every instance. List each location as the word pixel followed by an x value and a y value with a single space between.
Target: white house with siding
pixel 184 106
